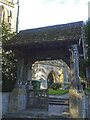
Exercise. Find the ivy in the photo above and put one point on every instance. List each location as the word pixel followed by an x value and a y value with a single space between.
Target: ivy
pixel 84 63
pixel 87 38
pixel 9 62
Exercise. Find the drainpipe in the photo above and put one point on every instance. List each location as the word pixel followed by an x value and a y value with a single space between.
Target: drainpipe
pixel 17 21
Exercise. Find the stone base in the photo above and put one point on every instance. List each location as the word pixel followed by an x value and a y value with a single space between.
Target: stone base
pixel 17 100
pixel 76 104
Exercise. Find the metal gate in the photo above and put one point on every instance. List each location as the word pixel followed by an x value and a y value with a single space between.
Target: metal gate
pixel 38 99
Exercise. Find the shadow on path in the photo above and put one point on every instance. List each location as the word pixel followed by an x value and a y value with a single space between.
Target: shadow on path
pixel 54 111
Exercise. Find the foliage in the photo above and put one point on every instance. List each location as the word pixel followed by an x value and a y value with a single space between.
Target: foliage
pixel 57 92
pixel 88 80
pixel 87 37
pixel 87 90
pixel 84 63
pixel 7 34
pixel 8 61
pixel 55 86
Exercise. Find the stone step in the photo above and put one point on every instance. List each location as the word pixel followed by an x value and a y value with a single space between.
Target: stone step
pixel 55 100
pixel 58 98
pixel 58 103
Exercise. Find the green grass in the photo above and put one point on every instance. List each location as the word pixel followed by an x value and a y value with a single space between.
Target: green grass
pixel 57 92
pixel 87 90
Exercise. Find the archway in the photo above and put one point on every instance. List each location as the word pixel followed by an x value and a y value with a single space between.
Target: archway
pixel 51 79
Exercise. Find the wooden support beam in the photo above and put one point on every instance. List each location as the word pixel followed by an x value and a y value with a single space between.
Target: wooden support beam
pixel 75 82
pixel 27 72
pixel 19 72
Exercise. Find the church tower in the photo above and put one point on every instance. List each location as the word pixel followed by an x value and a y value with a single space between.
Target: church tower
pixel 9 12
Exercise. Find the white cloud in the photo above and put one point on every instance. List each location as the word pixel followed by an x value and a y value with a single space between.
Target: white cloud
pixel 38 13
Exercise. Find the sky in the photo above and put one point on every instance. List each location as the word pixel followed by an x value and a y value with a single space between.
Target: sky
pixel 40 13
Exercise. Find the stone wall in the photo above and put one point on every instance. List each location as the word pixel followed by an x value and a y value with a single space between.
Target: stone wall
pixel 5 101
pixel 14 101
pixel 87 105
pixel 79 104
pixel 41 71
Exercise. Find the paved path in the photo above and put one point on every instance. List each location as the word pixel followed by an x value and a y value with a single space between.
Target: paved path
pixel 59 110
pixel 55 111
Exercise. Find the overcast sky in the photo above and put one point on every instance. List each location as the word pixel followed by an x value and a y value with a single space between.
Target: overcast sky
pixel 39 13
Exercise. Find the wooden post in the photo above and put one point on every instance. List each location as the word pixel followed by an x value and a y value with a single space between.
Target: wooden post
pixel 27 73
pixel 19 73
pixel 75 82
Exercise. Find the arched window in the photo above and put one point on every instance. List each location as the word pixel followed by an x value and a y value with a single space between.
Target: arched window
pixel 51 78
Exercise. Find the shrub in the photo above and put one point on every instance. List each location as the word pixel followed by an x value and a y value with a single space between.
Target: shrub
pixel 56 86
pixel 9 62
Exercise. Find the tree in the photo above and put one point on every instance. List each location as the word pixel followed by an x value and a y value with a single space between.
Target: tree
pixel 85 63
pixel 9 61
pixel 87 33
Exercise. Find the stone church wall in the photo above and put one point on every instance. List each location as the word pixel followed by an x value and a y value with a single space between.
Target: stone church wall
pixel 42 71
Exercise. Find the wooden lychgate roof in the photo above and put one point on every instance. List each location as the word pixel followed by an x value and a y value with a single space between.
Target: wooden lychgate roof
pixel 51 41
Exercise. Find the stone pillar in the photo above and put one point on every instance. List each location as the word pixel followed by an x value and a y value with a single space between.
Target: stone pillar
pixel 76 98
pixel 18 97
pixel 75 104
pixel 17 100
